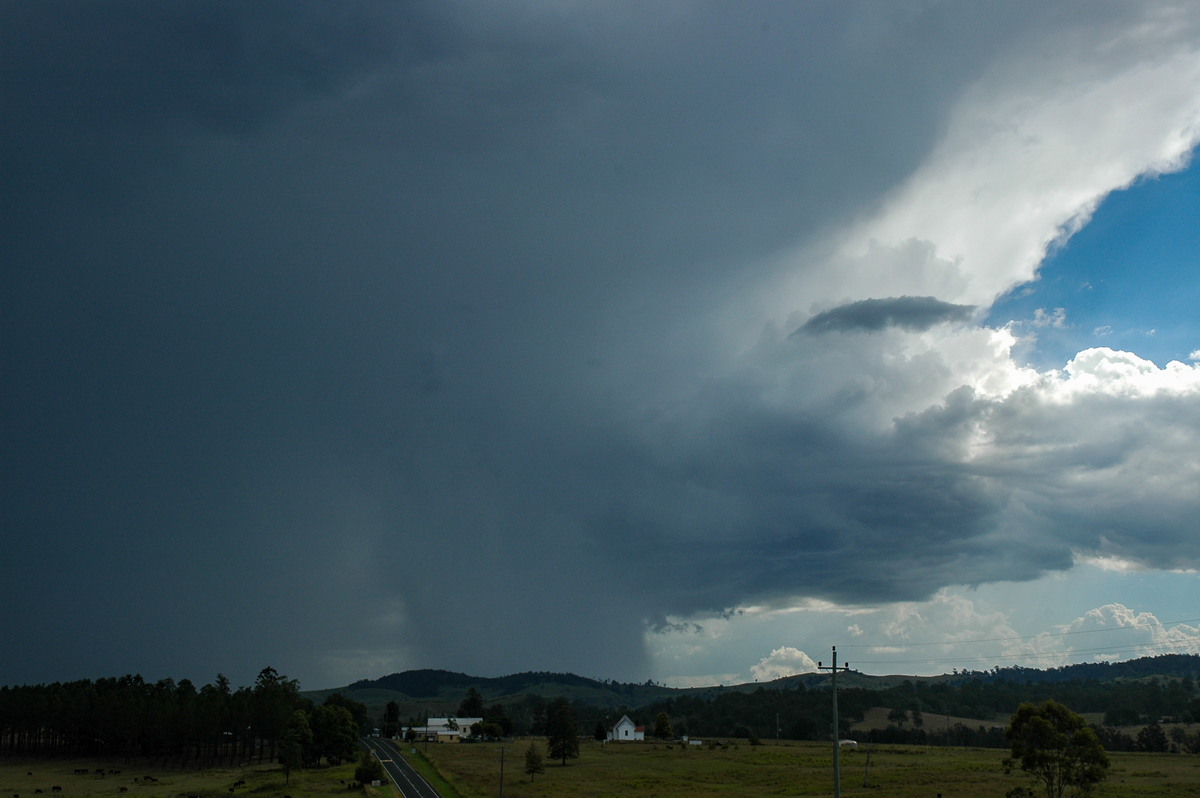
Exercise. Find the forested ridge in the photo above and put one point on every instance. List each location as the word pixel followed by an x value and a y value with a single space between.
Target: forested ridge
pixel 1176 665
pixel 923 709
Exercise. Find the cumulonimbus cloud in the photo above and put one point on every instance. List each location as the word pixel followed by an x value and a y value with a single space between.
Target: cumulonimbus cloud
pixel 488 305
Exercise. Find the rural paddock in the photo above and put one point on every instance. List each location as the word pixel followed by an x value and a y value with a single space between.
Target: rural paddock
pixel 26 777
pixel 783 769
pixel 649 770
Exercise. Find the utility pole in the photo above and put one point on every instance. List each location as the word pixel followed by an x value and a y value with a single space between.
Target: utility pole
pixel 501 771
pixel 837 765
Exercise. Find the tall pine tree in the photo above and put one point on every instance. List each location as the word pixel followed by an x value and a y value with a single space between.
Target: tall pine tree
pixel 562 737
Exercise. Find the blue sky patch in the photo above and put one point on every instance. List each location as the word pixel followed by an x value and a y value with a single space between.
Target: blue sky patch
pixel 1130 279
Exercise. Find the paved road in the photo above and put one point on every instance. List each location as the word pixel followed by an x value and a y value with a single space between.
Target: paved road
pixel 407 780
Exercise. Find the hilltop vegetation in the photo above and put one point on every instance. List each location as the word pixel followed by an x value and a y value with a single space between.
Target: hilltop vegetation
pixel 449 686
pixel 1123 694
pixel 1146 704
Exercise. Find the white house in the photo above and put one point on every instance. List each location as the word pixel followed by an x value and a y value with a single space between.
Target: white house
pixel 625 730
pixel 445 730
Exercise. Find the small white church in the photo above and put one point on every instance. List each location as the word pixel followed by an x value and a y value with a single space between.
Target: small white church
pixel 625 730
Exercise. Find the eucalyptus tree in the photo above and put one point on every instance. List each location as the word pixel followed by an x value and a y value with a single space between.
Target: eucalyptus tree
pixel 1056 747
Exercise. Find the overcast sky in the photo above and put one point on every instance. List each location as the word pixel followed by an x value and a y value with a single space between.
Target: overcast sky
pixel 640 340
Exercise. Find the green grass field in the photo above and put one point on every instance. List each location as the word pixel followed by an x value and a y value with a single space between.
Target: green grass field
pixel 648 770
pixel 655 770
pixel 25 777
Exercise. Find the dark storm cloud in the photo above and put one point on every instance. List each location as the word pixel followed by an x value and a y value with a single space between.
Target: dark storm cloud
pixel 763 505
pixel 352 337
pixel 907 312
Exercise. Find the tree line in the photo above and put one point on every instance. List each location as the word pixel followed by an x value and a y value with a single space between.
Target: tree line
pixel 802 713
pixel 182 725
pixel 177 723
pixel 921 710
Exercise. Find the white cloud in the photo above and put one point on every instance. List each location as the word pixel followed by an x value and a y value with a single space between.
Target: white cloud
pixel 1111 632
pixel 781 662
pixel 1106 371
pixel 1036 144
pixel 950 631
pixel 1055 318
pixel 1107 562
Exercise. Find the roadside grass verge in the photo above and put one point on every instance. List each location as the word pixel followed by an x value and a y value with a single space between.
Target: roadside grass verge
pixel 428 771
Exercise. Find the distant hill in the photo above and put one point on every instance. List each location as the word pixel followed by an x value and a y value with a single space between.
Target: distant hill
pixel 421 692
pixel 445 689
pixel 433 683
pixel 439 692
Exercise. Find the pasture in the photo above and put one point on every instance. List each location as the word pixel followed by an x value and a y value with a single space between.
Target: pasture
pixel 37 778
pixel 656 770
pixel 648 770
